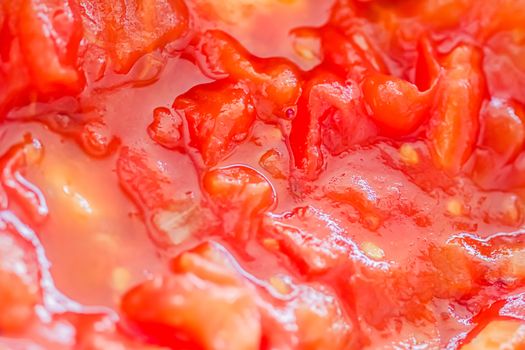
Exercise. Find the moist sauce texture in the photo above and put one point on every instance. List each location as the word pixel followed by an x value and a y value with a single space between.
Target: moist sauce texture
pixel 262 174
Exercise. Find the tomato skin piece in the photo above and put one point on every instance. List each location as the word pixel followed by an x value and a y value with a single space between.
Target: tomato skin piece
pixel 219 116
pixel 397 106
pixel 203 286
pixel 454 120
pixel 241 195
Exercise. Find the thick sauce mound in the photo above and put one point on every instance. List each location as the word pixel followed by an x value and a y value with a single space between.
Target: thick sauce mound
pixel 262 174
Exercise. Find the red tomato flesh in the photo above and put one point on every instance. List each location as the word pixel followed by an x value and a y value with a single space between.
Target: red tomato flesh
pixel 262 174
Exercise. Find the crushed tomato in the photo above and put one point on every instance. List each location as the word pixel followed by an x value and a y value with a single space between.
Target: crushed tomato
pixel 262 174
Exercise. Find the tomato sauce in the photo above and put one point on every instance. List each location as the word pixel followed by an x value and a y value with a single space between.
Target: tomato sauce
pixel 262 174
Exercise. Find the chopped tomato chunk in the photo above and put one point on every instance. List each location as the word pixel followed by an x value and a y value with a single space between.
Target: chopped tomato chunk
pixel 272 162
pixel 171 212
pixel 96 139
pixel 502 126
pixel 317 247
pixel 219 116
pixel 499 334
pixel 398 107
pixel 352 53
pixel 242 193
pixel 133 28
pixel 329 111
pixel 166 128
pixel 40 47
pixel 262 174
pixel 427 67
pixel 274 82
pixel 17 303
pixel 50 33
pixel 455 117
pixel 315 316
pixel 19 282
pixel 140 179
pixel 204 286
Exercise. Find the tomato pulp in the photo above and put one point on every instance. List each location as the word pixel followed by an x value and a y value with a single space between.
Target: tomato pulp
pixel 262 174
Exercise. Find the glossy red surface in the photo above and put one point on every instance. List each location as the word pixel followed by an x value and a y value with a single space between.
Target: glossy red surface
pixel 262 174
